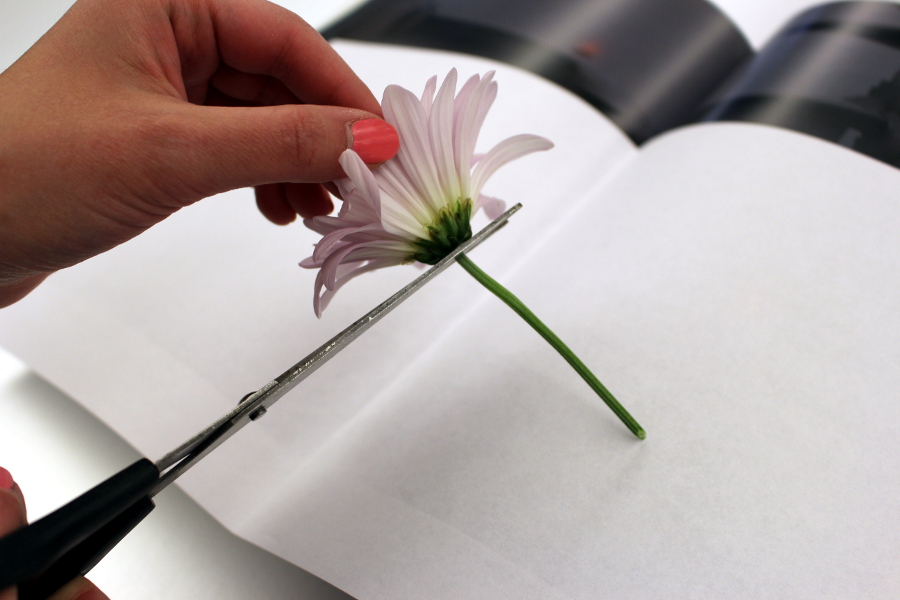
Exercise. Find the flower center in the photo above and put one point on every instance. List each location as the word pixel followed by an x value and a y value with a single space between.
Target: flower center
pixel 451 228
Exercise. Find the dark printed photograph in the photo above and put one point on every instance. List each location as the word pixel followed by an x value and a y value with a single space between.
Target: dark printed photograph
pixel 833 72
pixel 647 64
pixel 652 65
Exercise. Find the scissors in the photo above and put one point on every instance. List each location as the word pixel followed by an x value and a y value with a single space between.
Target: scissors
pixel 45 555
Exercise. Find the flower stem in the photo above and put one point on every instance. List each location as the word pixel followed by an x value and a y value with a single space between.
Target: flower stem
pixel 545 332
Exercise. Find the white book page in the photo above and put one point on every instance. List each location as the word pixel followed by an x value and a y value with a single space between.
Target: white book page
pixel 737 288
pixel 164 334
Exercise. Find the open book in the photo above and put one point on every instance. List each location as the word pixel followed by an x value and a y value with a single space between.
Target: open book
pixel 734 284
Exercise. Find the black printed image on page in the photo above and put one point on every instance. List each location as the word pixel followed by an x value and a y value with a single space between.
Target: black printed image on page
pixel 647 64
pixel 832 72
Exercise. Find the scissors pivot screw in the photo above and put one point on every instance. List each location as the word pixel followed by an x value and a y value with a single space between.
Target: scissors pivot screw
pixel 257 413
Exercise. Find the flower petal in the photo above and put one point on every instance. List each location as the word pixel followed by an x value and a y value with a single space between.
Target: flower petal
pixel 392 178
pixel 440 130
pixel 404 111
pixel 397 219
pixel 333 262
pixel 356 251
pixel 428 94
pixel 323 224
pixel 320 302
pixel 469 119
pixel 317 295
pixel 346 188
pixel 507 150
pixel 329 242
pixel 384 250
pixel 362 178
pixel 462 98
pixel 493 207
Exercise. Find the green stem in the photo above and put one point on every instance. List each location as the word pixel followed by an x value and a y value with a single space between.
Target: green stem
pixel 530 318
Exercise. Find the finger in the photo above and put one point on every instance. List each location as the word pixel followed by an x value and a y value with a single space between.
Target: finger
pixel 214 149
pixel 308 199
pixel 273 204
pixel 214 97
pixel 332 189
pixel 282 202
pixel 12 504
pixel 12 292
pixel 79 589
pixel 259 90
pixel 12 517
pixel 265 39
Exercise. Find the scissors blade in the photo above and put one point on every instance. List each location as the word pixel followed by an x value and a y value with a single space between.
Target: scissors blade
pixel 254 405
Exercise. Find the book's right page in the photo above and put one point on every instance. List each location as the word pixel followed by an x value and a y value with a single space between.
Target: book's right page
pixel 736 286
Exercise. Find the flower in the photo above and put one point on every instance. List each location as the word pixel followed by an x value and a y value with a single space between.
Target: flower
pixel 418 205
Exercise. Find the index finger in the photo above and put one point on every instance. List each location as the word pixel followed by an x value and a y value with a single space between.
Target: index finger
pixel 12 504
pixel 256 36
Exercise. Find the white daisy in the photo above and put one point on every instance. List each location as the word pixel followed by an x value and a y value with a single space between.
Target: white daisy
pixel 418 205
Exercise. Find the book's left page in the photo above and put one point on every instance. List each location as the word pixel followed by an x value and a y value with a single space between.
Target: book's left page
pixel 165 333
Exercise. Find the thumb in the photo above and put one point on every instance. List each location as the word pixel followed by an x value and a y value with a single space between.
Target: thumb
pixel 12 517
pixel 225 148
pixel 12 504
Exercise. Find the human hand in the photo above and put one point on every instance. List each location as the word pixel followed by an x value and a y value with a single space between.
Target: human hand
pixel 127 111
pixel 12 516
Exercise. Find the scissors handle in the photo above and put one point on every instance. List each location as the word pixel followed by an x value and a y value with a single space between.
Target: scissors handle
pixel 44 556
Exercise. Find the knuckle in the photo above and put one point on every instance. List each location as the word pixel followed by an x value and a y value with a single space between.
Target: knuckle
pixel 157 152
pixel 307 139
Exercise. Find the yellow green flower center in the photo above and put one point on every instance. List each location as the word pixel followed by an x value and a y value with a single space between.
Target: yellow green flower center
pixel 451 228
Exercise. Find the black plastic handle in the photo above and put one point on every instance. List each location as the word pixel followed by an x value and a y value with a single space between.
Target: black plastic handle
pixel 69 541
pixel 85 556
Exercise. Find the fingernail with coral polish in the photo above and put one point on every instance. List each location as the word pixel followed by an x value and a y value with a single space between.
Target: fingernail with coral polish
pixel 6 480
pixel 374 140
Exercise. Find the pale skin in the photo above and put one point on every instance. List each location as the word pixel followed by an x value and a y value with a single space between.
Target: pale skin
pixel 128 110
